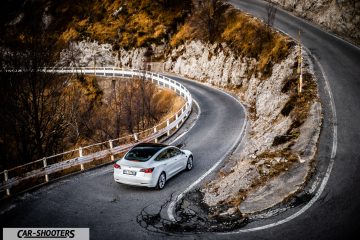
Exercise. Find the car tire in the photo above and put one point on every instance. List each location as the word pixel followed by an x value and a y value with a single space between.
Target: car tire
pixel 189 163
pixel 161 181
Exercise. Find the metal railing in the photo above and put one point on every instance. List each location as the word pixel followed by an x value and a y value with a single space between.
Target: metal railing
pixel 42 168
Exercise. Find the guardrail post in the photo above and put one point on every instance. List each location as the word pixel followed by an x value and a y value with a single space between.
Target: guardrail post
pixel 167 125
pixel 45 165
pixel 80 155
pixel 176 118
pixel 136 137
pixel 112 158
pixel 6 177
pixel 182 112
pixel 156 140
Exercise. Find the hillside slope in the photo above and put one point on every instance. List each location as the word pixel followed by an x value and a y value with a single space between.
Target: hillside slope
pixel 127 23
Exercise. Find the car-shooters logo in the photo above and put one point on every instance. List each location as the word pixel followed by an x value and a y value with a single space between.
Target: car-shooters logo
pixel 46 233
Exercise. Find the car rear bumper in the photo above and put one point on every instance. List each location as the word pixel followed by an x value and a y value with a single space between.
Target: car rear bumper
pixel 148 181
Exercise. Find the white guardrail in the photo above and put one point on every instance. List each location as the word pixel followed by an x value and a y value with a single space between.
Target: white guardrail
pixel 42 168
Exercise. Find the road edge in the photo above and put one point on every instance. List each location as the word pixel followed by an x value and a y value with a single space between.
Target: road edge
pixel 170 209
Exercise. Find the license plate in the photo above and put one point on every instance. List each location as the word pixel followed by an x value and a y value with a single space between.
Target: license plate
pixel 128 172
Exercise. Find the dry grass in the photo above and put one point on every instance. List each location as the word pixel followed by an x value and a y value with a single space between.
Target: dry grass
pixel 137 24
pixel 141 23
pixel 245 35
pixel 168 101
pixel 184 34
pixel 69 34
pixel 249 37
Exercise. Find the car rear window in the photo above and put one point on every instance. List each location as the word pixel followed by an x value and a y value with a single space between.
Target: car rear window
pixel 141 154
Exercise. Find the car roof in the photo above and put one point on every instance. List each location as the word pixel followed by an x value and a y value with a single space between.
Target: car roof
pixel 156 145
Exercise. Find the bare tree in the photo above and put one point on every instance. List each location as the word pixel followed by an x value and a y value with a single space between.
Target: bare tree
pixel 117 108
pixel 207 18
pixel 32 110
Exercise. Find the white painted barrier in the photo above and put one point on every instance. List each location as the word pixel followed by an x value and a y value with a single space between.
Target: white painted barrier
pixel 42 168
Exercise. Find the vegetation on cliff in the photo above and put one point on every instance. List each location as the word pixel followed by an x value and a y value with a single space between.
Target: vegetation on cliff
pixel 141 23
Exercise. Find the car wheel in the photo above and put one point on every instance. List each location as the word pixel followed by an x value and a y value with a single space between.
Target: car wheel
pixel 161 181
pixel 189 164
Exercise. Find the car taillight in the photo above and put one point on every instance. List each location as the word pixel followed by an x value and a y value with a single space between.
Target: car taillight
pixel 117 166
pixel 147 170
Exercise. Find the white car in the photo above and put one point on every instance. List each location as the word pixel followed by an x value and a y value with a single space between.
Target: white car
pixel 151 165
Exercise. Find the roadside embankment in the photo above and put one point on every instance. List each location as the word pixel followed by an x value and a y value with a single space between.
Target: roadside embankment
pixel 276 157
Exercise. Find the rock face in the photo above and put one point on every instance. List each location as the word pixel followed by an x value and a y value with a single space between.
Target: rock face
pixel 340 16
pixel 90 54
pixel 212 63
pixel 87 54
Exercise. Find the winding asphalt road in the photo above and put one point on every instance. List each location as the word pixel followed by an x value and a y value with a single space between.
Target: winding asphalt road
pixel 336 213
pixel 92 199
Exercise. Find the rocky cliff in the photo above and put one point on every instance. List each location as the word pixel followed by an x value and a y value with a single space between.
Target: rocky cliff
pixel 283 131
